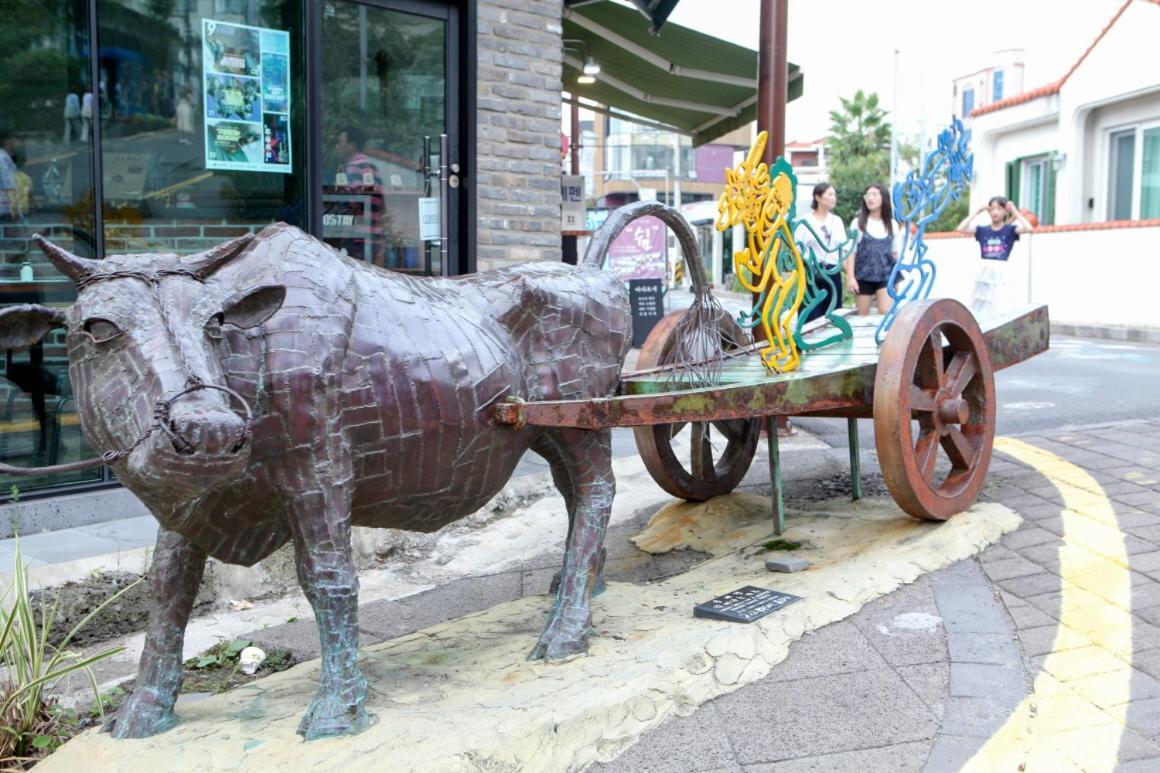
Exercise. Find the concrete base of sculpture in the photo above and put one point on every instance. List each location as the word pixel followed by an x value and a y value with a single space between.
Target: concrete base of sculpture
pixel 461 696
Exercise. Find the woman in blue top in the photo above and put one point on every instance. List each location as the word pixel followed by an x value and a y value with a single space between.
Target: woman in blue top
pixel 995 243
pixel 868 269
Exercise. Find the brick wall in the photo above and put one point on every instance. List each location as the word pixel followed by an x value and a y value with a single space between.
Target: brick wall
pixel 517 173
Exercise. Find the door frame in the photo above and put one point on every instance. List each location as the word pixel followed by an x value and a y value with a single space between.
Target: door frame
pixel 460 65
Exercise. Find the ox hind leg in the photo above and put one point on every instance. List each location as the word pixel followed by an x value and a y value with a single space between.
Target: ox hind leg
pixel 581 464
pixel 174 576
pixel 320 522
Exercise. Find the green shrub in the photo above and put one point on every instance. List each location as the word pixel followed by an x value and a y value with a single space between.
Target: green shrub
pixel 31 724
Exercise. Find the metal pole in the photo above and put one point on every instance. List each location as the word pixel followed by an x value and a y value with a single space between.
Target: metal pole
pixel 575 110
pixel 894 126
pixel 362 58
pixel 775 476
pixel 855 458
pixel 444 195
pixel 773 76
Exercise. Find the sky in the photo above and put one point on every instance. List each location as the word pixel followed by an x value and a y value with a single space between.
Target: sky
pixel 844 45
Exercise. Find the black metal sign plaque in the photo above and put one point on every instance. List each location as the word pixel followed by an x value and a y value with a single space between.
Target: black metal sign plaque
pixel 647 300
pixel 744 605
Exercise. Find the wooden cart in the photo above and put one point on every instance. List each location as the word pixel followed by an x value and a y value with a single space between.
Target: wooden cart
pixel 929 388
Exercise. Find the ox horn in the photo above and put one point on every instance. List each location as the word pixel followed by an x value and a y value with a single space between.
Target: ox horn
pixel 74 267
pixel 204 264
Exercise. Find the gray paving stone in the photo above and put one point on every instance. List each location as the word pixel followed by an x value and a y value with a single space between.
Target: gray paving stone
pixel 825 715
pixel 835 649
pixel 1146 562
pixel 974 717
pixel 931 682
pixel 1144 717
pixel 970 610
pixel 1039 513
pixel 1028 536
pixel 55 547
pixel 1047 602
pixel 957 575
pixel 888 624
pixel 1011 568
pixel 1137 519
pixel 1031 585
pixel 1149 533
pixel 1045 555
pixel 128 533
pixel 1026 616
pixel 1134 544
pixel 899 758
pixel 1147 661
pixel 993 648
pixel 996 553
pixel 951 752
pixel 697 742
pixel 1039 640
pixel 8 560
pixel 1145 594
pixel 984 680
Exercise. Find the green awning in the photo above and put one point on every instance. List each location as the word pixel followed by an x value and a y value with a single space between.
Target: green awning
pixel 682 78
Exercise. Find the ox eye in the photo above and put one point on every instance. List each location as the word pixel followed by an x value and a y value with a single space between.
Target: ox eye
pixel 101 329
pixel 213 328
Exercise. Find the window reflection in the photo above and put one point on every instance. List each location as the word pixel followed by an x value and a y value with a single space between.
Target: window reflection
pixel 46 114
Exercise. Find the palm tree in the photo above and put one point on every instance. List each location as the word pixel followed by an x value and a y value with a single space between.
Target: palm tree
pixel 859 129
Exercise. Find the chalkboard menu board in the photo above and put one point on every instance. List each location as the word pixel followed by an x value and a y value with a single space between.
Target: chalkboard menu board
pixel 744 605
pixel 647 297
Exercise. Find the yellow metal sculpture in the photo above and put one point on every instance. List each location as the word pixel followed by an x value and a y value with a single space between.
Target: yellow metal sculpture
pixel 762 200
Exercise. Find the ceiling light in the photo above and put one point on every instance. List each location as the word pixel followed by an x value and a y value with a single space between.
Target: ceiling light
pixel 591 66
pixel 585 80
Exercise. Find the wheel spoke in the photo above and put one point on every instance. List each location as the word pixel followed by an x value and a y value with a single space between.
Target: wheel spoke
pixel 926 454
pixel 732 430
pixel 675 429
pixel 935 347
pixel 960 449
pixel 702 452
pixel 963 367
pixel 928 365
pixel 921 399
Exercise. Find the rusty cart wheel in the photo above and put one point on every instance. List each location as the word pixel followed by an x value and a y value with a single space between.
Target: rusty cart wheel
pixel 934 390
pixel 711 470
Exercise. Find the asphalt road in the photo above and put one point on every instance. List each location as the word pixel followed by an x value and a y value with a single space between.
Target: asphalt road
pixel 1077 382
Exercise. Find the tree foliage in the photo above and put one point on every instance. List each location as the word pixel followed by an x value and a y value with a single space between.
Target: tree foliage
pixel 858 148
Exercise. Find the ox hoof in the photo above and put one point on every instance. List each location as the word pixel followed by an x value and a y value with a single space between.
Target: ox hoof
pixel 566 636
pixel 141 716
pixel 330 715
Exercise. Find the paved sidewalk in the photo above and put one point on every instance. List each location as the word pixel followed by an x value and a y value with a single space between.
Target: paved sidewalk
pixel 924 678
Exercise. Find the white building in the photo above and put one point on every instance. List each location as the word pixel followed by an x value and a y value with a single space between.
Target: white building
pixel 1001 79
pixel 1085 148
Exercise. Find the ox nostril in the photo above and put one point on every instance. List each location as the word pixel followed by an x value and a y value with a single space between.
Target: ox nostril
pixel 209 433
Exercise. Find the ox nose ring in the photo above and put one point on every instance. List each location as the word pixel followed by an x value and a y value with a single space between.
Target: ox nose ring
pixel 162 418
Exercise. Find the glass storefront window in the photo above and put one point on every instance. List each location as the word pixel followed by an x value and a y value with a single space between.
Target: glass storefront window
pixel 46 186
pixel 383 111
pixel 202 121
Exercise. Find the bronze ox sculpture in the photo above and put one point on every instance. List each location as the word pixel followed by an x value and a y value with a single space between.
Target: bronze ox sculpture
pixel 271 390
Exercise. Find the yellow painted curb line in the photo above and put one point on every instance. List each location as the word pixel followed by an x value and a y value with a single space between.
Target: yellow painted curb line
pixel 1075 715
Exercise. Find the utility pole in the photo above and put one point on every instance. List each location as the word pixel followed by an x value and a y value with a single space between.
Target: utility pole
pixel 773 76
pixel 894 126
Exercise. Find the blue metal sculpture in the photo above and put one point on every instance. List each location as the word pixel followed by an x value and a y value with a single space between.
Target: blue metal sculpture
pixel 918 201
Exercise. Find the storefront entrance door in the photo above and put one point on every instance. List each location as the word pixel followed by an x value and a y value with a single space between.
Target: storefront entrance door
pixel 389 133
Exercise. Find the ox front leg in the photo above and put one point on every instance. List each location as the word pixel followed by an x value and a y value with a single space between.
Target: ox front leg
pixel 327 576
pixel 587 457
pixel 174 576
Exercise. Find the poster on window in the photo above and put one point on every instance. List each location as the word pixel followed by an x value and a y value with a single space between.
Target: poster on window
pixel 639 251
pixel 246 99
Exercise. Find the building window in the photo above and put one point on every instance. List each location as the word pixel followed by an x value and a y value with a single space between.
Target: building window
pixel 1134 173
pixel 997 86
pixel 1033 195
pixel 968 101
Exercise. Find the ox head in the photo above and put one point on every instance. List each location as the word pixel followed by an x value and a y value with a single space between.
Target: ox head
pixel 146 339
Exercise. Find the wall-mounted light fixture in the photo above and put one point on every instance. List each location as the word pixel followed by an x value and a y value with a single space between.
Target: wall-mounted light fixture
pixel 1057 161
pixel 590 68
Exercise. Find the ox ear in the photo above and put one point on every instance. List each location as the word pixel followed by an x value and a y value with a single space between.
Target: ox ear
pixel 74 267
pixel 22 326
pixel 253 307
pixel 204 264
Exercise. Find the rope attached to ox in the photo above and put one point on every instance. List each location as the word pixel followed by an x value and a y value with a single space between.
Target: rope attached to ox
pixel 161 421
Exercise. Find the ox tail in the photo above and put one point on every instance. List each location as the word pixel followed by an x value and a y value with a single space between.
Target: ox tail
pixel 704 331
